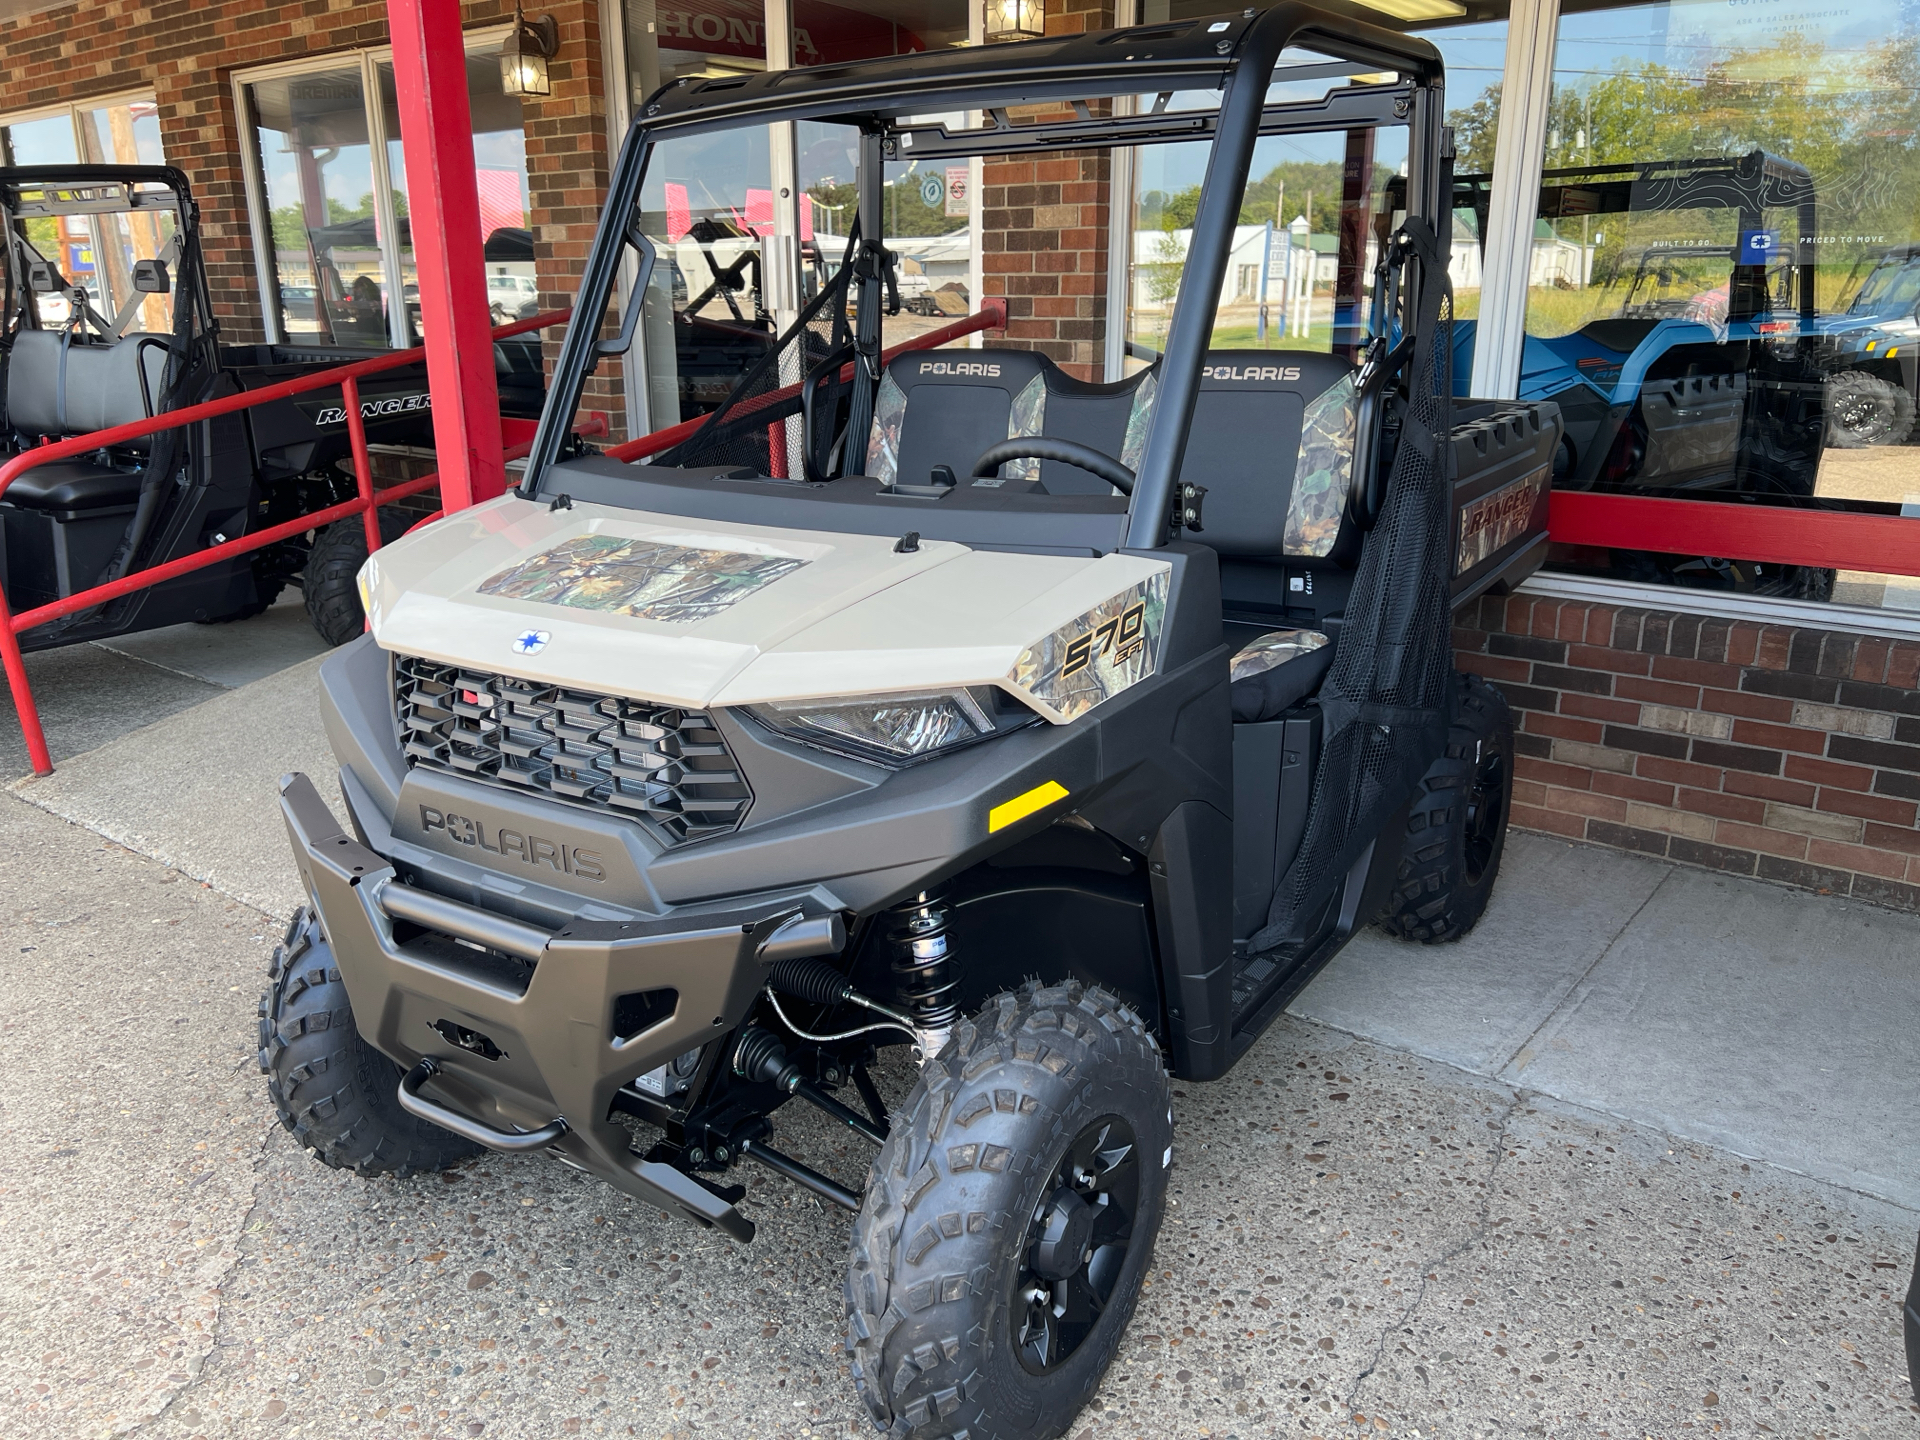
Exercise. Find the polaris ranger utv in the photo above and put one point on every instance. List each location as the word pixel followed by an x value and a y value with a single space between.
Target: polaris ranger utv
pixel 1060 730
pixel 130 334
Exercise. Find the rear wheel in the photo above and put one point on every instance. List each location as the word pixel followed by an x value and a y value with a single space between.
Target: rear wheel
pixel 333 599
pixel 1457 828
pixel 1010 1219
pixel 337 1094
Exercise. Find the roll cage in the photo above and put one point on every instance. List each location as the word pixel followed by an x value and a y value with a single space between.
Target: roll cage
pixel 31 192
pixel 888 101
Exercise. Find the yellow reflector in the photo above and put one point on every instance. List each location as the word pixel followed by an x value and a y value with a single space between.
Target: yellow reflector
pixel 1892 350
pixel 1021 806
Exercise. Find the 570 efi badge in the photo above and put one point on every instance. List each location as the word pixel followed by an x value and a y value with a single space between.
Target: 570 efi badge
pixel 1119 638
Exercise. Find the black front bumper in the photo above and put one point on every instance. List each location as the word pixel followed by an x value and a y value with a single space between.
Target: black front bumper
pixel 556 1054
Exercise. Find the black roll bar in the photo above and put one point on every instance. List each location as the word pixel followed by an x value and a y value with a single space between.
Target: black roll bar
pixel 1236 53
pixel 1221 194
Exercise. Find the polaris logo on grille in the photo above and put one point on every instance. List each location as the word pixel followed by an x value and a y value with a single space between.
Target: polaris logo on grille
pixel 377 409
pixel 528 849
pixel 959 367
pixel 1252 372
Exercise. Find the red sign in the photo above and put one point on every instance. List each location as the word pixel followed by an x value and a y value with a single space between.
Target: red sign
pixel 823 33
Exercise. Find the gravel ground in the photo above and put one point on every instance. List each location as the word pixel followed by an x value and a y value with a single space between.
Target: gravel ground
pixel 1361 1243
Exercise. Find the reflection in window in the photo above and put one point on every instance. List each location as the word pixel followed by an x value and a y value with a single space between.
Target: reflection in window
pixel 500 162
pixel 1718 286
pixel 316 164
pixel 342 249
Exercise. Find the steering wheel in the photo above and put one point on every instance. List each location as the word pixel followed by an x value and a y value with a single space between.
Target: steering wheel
pixel 1067 452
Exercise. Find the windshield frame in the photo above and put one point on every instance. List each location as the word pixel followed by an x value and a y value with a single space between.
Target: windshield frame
pixel 1236 55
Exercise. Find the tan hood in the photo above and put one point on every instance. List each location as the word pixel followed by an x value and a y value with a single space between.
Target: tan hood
pixel 700 613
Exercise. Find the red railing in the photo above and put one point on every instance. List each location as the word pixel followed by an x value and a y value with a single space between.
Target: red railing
pixel 515 434
pixel 992 315
pixel 1770 534
pixel 516 440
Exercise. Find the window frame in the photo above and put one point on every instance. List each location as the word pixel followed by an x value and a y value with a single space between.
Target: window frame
pixel 259 219
pixel 72 108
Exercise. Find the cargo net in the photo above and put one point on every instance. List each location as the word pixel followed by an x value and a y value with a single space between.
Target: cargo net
pixel 1386 700
pixel 749 428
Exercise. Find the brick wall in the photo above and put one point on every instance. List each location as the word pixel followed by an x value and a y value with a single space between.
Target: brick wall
pixel 1044 247
pixel 187 50
pixel 1787 754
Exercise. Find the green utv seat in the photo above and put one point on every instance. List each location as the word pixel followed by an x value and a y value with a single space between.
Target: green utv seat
pixel 60 389
pixel 944 407
pixel 1272 442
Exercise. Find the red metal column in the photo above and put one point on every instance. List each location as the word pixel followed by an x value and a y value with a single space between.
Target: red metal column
pixel 443 197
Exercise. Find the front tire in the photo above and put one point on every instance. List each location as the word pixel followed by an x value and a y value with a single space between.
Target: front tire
pixel 1010 1219
pixel 1457 828
pixel 1864 411
pixel 337 1094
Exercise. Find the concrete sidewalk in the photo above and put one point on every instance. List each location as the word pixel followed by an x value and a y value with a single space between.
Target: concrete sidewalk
pixel 1637 1157
pixel 91 694
pixel 1777 1025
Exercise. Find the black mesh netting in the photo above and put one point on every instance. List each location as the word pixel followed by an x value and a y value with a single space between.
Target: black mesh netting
pixel 1385 702
pixel 741 432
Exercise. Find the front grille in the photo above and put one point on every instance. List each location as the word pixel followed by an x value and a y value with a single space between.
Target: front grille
pixel 665 766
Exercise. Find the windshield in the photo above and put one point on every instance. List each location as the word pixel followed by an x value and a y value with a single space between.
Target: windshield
pixel 749 299
pixel 1893 289
pixel 97 251
pixel 802 275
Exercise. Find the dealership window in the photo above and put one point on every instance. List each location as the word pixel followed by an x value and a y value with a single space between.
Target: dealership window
pixel 97 253
pixel 1725 274
pixel 1305 240
pixel 332 231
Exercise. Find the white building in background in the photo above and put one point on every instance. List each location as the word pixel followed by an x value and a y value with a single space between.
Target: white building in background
pixel 1555 263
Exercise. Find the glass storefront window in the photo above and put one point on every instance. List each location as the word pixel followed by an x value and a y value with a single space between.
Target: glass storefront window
pixel 97 254
pixel 1717 292
pixel 45 140
pixel 316 166
pixel 332 177
pixel 500 163
pixel 676 40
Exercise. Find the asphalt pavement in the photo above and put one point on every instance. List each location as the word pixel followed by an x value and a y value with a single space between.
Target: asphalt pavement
pixel 1636 1159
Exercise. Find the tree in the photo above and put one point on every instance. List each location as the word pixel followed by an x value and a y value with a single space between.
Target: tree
pixel 1475 129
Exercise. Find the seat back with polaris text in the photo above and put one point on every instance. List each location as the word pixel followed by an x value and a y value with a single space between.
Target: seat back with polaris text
pixel 1272 442
pixel 944 407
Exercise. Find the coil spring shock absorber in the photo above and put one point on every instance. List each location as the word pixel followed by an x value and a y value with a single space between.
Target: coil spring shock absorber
pixel 925 977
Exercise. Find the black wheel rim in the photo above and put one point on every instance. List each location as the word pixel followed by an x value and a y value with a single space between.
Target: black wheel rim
pixel 1076 1245
pixel 1486 811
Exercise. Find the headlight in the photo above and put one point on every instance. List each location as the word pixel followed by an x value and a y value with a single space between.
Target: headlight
pixel 893 730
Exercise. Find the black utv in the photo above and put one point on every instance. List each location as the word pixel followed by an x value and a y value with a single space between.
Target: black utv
pixel 130 334
pixel 1059 729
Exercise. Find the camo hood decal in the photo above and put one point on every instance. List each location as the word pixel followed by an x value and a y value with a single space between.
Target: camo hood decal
pixel 647 579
